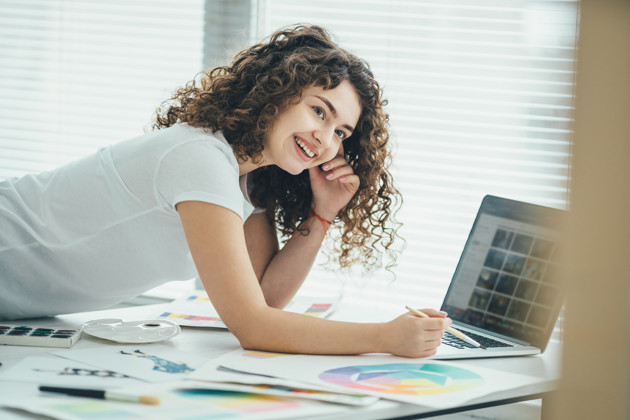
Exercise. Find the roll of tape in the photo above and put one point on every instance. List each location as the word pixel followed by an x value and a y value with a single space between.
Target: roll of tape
pixel 144 331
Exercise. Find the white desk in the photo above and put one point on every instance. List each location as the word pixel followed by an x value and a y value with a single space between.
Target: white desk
pixel 212 343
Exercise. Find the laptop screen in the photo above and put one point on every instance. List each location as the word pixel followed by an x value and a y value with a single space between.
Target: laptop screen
pixel 505 280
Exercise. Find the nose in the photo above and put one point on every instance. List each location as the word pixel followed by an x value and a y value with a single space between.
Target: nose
pixel 324 135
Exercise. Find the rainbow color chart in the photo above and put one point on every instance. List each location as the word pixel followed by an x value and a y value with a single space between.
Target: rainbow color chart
pixel 404 378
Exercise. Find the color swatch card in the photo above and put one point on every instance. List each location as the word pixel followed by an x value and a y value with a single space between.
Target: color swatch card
pixel 287 391
pixel 212 376
pixel 53 370
pixel 196 310
pixel 191 310
pixel 417 381
pixel 317 306
pixel 178 402
pixel 152 363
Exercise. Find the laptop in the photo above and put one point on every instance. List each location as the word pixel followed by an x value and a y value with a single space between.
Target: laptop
pixel 505 293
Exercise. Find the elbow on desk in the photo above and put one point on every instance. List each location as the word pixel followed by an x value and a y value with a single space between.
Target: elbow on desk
pixel 252 340
pixel 251 330
pixel 265 330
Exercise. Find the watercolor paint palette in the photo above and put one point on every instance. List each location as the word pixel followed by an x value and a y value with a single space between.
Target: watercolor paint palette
pixel 28 335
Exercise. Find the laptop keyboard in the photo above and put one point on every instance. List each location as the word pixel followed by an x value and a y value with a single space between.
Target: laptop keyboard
pixel 456 342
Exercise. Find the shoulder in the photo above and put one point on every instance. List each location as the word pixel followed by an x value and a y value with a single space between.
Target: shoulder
pixel 200 166
pixel 196 144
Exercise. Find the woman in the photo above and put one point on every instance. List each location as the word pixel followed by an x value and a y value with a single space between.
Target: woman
pixel 290 137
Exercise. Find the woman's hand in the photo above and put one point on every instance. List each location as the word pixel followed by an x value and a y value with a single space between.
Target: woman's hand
pixel 412 336
pixel 333 185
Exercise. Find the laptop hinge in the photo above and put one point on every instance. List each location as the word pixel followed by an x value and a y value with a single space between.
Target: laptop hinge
pixel 483 332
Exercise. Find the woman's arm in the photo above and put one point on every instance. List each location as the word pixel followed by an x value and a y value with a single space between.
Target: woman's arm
pixel 281 272
pixel 216 240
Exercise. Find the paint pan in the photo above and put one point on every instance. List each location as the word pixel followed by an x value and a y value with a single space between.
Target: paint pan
pixel 143 331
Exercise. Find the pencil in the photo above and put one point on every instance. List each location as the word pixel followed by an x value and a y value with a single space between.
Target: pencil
pixel 102 394
pixel 451 330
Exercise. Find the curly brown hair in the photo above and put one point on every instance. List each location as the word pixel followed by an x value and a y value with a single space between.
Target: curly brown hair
pixel 243 100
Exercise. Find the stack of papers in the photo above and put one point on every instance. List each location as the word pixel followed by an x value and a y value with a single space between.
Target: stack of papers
pixel 160 371
pixel 243 383
pixel 417 381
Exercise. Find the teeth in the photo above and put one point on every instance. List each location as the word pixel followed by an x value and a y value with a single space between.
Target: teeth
pixel 304 147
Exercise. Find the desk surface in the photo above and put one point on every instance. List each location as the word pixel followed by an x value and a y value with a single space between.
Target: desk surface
pixel 212 343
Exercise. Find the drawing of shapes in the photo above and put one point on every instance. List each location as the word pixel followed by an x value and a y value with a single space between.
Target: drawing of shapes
pixel 241 402
pixel 92 410
pixel 404 378
pixel 197 298
pixel 190 317
pixel 262 354
pixel 60 371
pixel 317 309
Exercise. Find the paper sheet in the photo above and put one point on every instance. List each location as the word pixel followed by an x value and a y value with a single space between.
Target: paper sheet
pixel 417 381
pixel 287 391
pixel 221 378
pixel 52 370
pixel 152 363
pixel 178 402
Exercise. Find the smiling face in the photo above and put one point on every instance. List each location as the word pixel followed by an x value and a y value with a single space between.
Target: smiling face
pixel 311 132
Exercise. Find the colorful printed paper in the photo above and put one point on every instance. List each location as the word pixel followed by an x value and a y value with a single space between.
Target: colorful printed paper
pixel 218 377
pixel 417 381
pixel 287 391
pixel 196 310
pixel 178 402
pixel 192 310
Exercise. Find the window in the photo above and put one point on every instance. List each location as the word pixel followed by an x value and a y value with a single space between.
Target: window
pixel 76 75
pixel 480 99
pixel 480 102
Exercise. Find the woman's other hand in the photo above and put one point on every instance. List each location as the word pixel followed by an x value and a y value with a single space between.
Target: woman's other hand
pixel 333 185
pixel 412 336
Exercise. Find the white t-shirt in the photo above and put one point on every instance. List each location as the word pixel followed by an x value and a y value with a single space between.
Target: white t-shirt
pixel 104 228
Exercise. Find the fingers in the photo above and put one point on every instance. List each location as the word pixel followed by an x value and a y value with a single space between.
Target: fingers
pixel 334 163
pixel 434 313
pixel 429 333
pixel 338 168
pixel 438 323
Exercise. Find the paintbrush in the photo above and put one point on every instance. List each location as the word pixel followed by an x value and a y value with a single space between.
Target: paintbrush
pixel 102 394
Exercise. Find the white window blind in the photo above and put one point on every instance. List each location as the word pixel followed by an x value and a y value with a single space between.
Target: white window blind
pixel 479 92
pixel 480 102
pixel 76 75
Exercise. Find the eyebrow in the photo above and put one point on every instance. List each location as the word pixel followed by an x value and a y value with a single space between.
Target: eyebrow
pixel 334 111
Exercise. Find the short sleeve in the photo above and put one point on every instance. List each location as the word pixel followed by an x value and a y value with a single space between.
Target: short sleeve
pixel 200 171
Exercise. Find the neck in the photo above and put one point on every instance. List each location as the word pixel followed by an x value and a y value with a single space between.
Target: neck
pixel 248 166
